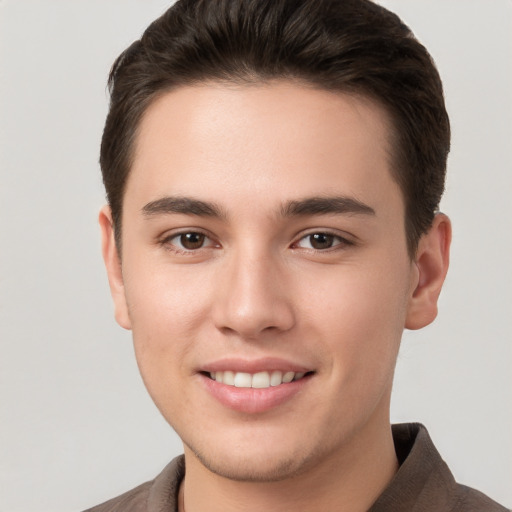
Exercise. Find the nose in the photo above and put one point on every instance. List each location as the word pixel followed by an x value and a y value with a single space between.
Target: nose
pixel 253 298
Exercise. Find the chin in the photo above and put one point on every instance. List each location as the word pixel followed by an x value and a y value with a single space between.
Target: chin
pixel 251 471
pixel 242 466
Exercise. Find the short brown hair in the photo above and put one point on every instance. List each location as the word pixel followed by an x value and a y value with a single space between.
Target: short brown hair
pixel 352 46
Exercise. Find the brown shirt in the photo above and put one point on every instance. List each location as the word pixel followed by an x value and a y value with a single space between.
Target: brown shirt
pixel 423 483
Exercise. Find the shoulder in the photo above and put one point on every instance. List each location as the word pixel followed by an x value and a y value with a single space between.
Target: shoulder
pixel 471 500
pixel 424 481
pixel 153 496
pixel 131 501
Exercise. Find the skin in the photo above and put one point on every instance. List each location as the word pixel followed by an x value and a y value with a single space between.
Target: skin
pixel 259 287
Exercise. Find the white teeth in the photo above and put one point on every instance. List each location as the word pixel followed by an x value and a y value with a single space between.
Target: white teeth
pixel 229 378
pixel 260 380
pixel 288 376
pixel 243 380
pixel 276 378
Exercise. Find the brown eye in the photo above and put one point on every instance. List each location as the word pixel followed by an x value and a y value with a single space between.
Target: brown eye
pixel 188 242
pixel 321 241
pixel 191 241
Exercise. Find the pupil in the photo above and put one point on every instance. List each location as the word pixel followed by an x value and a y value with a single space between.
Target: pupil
pixel 321 241
pixel 192 240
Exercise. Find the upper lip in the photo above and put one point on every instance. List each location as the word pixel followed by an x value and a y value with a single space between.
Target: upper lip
pixel 237 364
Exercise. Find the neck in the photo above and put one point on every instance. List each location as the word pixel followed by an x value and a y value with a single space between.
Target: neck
pixel 353 478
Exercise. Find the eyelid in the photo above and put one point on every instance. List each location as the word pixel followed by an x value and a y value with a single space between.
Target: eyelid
pixel 344 239
pixel 165 240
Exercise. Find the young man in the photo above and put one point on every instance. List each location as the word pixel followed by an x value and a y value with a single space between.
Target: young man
pixel 274 170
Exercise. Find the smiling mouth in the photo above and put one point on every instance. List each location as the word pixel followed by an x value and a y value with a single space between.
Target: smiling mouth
pixel 260 380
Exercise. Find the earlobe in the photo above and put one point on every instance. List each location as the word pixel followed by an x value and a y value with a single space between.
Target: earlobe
pixel 113 267
pixel 432 260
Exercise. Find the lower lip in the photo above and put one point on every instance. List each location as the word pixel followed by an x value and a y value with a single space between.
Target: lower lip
pixel 254 400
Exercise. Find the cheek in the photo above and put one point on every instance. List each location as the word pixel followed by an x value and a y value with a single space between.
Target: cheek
pixel 167 312
pixel 165 298
pixel 164 330
pixel 361 313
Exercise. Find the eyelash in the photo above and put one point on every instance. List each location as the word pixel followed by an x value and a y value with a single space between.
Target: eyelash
pixel 167 242
pixel 339 242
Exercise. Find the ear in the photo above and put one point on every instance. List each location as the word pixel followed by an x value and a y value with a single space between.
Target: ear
pixel 113 266
pixel 432 259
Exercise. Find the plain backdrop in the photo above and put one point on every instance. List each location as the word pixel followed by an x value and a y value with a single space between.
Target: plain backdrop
pixel 76 425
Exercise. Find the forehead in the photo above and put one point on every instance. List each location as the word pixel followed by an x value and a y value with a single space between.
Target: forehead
pixel 279 140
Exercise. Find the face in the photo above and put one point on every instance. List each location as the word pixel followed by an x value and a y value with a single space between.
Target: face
pixel 263 241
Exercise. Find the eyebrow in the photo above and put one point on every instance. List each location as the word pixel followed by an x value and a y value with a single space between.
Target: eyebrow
pixel 296 208
pixel 185 205
pixel 325 206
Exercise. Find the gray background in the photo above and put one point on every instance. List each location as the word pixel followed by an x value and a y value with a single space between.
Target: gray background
pixel 76 426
